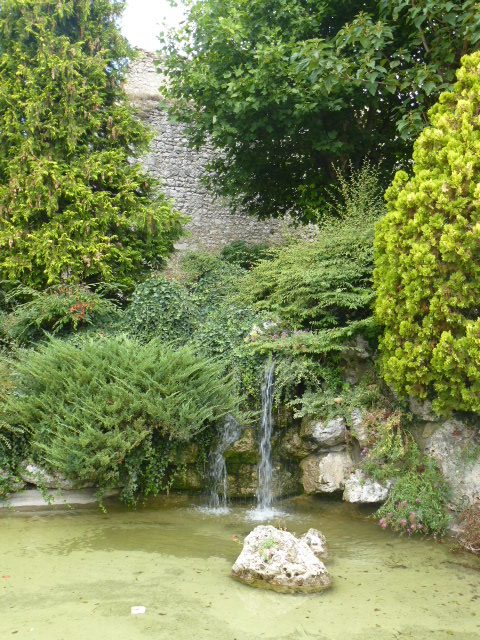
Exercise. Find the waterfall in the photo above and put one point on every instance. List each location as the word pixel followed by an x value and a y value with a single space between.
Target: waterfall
pixel 265 467
pixel 218 468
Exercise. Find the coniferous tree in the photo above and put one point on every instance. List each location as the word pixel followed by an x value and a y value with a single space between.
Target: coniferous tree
pixel 427 272
pixel 73 203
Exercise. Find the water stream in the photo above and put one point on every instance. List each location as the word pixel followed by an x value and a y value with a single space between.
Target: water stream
pixel 218 470
pixel 264 508
pixel 77 573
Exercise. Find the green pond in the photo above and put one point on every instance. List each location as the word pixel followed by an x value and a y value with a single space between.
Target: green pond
pixel 75 574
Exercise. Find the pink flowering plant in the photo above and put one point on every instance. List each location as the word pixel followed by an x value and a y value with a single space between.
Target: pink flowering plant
pixel 418 501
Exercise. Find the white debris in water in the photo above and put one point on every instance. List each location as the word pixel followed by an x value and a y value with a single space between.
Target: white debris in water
pixel 136 611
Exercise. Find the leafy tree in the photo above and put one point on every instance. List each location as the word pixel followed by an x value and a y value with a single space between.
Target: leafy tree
pixel 428 257
pixel 72 203
pixel 286 88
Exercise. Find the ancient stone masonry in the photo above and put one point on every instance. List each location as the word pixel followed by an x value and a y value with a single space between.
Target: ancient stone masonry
pixel 181 170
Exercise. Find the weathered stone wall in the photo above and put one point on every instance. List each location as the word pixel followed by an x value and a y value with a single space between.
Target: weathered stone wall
pixel 181 170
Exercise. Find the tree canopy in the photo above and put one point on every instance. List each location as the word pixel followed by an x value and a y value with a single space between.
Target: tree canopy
pixel 73 205
pixel 284 89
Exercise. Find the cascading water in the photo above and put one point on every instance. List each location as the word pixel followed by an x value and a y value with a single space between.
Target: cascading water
pixel 265 467
pixel 218 468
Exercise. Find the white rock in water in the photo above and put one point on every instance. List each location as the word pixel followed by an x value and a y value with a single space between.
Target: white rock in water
pixel 359 488
pixel 317 542
pixel 275 559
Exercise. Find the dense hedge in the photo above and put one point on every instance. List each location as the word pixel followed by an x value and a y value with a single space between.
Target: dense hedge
pixel 427 273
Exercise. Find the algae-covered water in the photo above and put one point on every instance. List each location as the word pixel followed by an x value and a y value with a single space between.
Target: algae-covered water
pixel 75 575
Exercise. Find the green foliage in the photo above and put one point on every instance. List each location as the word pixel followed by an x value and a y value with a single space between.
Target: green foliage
pixel 245 255
pixel 286 88
pixel 161 308
pixel 210 280
pixel 324 284
pixel 418 501
pixel 384 455
pixel 317 296
pixel 13 445
pixel 115 412
pixel 428 257
pixel 72 204
pixel 60 309
pixel 337 397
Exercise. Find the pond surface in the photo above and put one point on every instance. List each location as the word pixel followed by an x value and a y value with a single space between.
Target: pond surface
pixel 75 575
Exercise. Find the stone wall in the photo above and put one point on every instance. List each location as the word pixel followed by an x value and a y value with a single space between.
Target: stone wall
pixel 181 170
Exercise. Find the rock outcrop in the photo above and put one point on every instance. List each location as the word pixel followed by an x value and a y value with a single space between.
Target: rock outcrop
pixel 452 446
pixel 317 543
pixel 326 473
pixel 277 560
pixel 32 474
pixel 359 488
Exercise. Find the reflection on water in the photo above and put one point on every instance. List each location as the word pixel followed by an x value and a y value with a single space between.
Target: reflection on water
pixel 71 575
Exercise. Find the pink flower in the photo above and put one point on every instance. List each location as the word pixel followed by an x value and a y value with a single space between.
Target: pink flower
pixel 419 525
pixel 403 522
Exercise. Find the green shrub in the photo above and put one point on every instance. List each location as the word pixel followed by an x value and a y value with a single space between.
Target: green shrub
pixel 418 501
pixel 210 280
pixel 427 272
pixel 323 284
pixel 57 310
pixel 357 194
pixel 115 412
pixel 161 308
pixel 245 255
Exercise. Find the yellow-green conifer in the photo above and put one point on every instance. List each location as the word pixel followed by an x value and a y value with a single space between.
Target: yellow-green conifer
pixel 428 257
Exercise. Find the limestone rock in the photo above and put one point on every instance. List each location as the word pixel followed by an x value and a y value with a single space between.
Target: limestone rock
pixel 450 446
pixel 242 480
pixel 32 474
pixel 293 446
pixel 329 435
pixel 245 449
pixel 190 480
pixel 359 429
pixel 358 347
pixel 359 488
pixel 317 542
pixel 275 559
pixel 326 474
pixel 190 453
pixel 422 410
